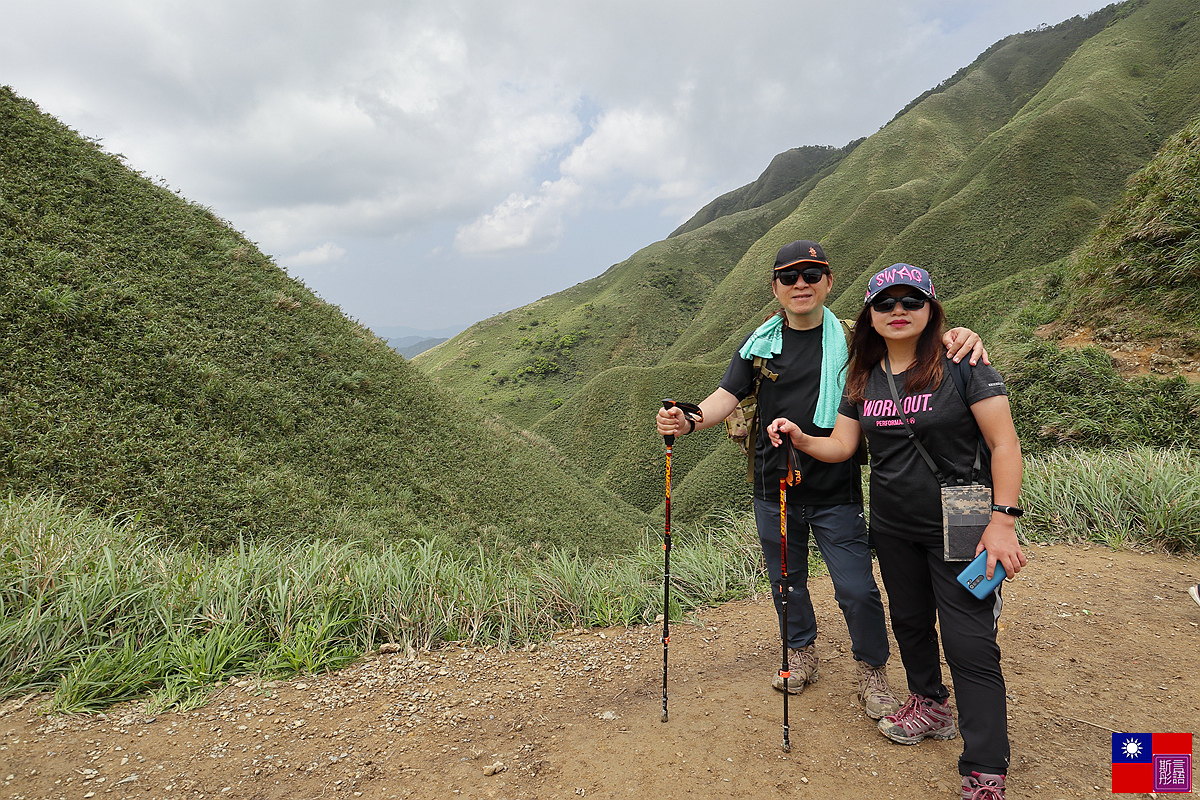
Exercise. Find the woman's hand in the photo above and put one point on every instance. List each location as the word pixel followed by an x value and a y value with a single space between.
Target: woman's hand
pixel 838 446
pixel 1000 540
pixel 785 427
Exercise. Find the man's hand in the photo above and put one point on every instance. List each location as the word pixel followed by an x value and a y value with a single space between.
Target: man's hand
pixel 671 422
pixel 961 342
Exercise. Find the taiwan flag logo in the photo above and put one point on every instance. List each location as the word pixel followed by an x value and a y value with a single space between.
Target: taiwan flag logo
pixel 1151 762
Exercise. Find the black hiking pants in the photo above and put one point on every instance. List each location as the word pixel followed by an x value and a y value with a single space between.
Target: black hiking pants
pixel 923 594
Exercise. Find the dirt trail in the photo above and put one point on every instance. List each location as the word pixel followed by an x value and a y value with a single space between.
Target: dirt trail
pixel 1093 641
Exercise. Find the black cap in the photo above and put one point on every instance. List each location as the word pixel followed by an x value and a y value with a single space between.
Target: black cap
pixel 796 253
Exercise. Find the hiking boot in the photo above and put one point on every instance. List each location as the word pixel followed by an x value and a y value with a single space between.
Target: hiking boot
pixel 874 692
pixel 982 786
pixel 802 663
pixel 919 718
pixel 1194 591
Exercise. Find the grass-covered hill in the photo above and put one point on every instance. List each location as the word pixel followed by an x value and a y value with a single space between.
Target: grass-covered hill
pixel 992 179
pixel 787 171
pixel 153 361
pixel 1140 274
pixel 1120 318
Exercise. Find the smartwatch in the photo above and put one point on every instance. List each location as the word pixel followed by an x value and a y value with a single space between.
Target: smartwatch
pixel 1012 511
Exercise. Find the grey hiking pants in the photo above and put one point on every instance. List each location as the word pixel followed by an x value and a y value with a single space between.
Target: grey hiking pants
pixel 842 539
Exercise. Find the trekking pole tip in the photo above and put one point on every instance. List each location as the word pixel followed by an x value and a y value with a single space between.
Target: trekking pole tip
pixel 664 717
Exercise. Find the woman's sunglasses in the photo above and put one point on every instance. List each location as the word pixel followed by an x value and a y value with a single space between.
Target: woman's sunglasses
pixel 909 303
pixel 788 277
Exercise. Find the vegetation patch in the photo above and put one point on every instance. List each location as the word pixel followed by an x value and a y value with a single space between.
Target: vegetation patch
pixel 97 611
pixel 1144 261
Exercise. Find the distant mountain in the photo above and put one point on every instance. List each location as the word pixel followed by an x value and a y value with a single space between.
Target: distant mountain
pixel 408 348
pixel 991 179
pixel 153 361
pixel 410 342
pixel 408 336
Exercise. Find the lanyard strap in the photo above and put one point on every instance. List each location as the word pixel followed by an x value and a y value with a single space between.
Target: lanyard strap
pixel 912 437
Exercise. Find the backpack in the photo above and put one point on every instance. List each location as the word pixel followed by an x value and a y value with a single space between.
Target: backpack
pixel 742 423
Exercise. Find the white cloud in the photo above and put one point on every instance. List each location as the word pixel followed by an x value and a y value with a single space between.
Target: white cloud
pixel 441 129
pixel 318 256
pixel 533 223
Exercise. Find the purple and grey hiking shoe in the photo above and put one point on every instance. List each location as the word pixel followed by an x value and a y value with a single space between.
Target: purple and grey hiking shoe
pixel 982 786
pixel 919 718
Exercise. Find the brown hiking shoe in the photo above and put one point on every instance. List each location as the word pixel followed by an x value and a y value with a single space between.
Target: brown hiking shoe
pixel 874 692
pixel 803 665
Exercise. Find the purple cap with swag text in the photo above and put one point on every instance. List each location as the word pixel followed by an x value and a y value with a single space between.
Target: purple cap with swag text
pixel 900 275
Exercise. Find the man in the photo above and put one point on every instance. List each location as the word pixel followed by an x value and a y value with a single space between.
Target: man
pixel 805 350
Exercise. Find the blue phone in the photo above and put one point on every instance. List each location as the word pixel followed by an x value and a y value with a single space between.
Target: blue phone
pixel 974 577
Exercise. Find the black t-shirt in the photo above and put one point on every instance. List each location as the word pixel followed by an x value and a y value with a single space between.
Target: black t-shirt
pixel 905 497
pixel 793 395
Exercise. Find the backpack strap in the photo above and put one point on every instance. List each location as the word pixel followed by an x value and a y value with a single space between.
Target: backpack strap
pixel 761 370
pixel 960 373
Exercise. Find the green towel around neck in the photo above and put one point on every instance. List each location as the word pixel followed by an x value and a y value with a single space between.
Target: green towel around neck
pixel 767 341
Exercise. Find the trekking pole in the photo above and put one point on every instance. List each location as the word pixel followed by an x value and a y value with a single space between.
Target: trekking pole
pixel 790 478
pixel 692 412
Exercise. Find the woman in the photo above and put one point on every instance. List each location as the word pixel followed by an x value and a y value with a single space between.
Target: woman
pixel 900 329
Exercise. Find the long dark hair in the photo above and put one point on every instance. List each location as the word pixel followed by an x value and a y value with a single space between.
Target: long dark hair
pixel 867 348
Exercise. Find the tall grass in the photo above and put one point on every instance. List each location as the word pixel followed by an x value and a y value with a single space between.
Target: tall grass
pixel 94 612
pixel 1140 497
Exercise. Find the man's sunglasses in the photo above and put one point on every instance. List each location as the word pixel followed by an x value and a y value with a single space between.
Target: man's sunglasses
pixel 909 303
pixel 788 277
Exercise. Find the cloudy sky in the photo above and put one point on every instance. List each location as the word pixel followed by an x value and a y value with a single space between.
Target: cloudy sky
pixel 431 163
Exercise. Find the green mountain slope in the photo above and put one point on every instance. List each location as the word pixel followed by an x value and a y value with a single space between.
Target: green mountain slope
pixel 787 171
pixel 526 363
pixel 1141 271
pixel 1002 170
pixel 1029 192
pixel 152 360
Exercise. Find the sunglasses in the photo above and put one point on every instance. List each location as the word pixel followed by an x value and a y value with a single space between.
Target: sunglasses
pixel 909 303
pixel 788 277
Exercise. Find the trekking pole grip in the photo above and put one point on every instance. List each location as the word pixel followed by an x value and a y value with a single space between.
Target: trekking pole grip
pixel 668 404
pixel 691 412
